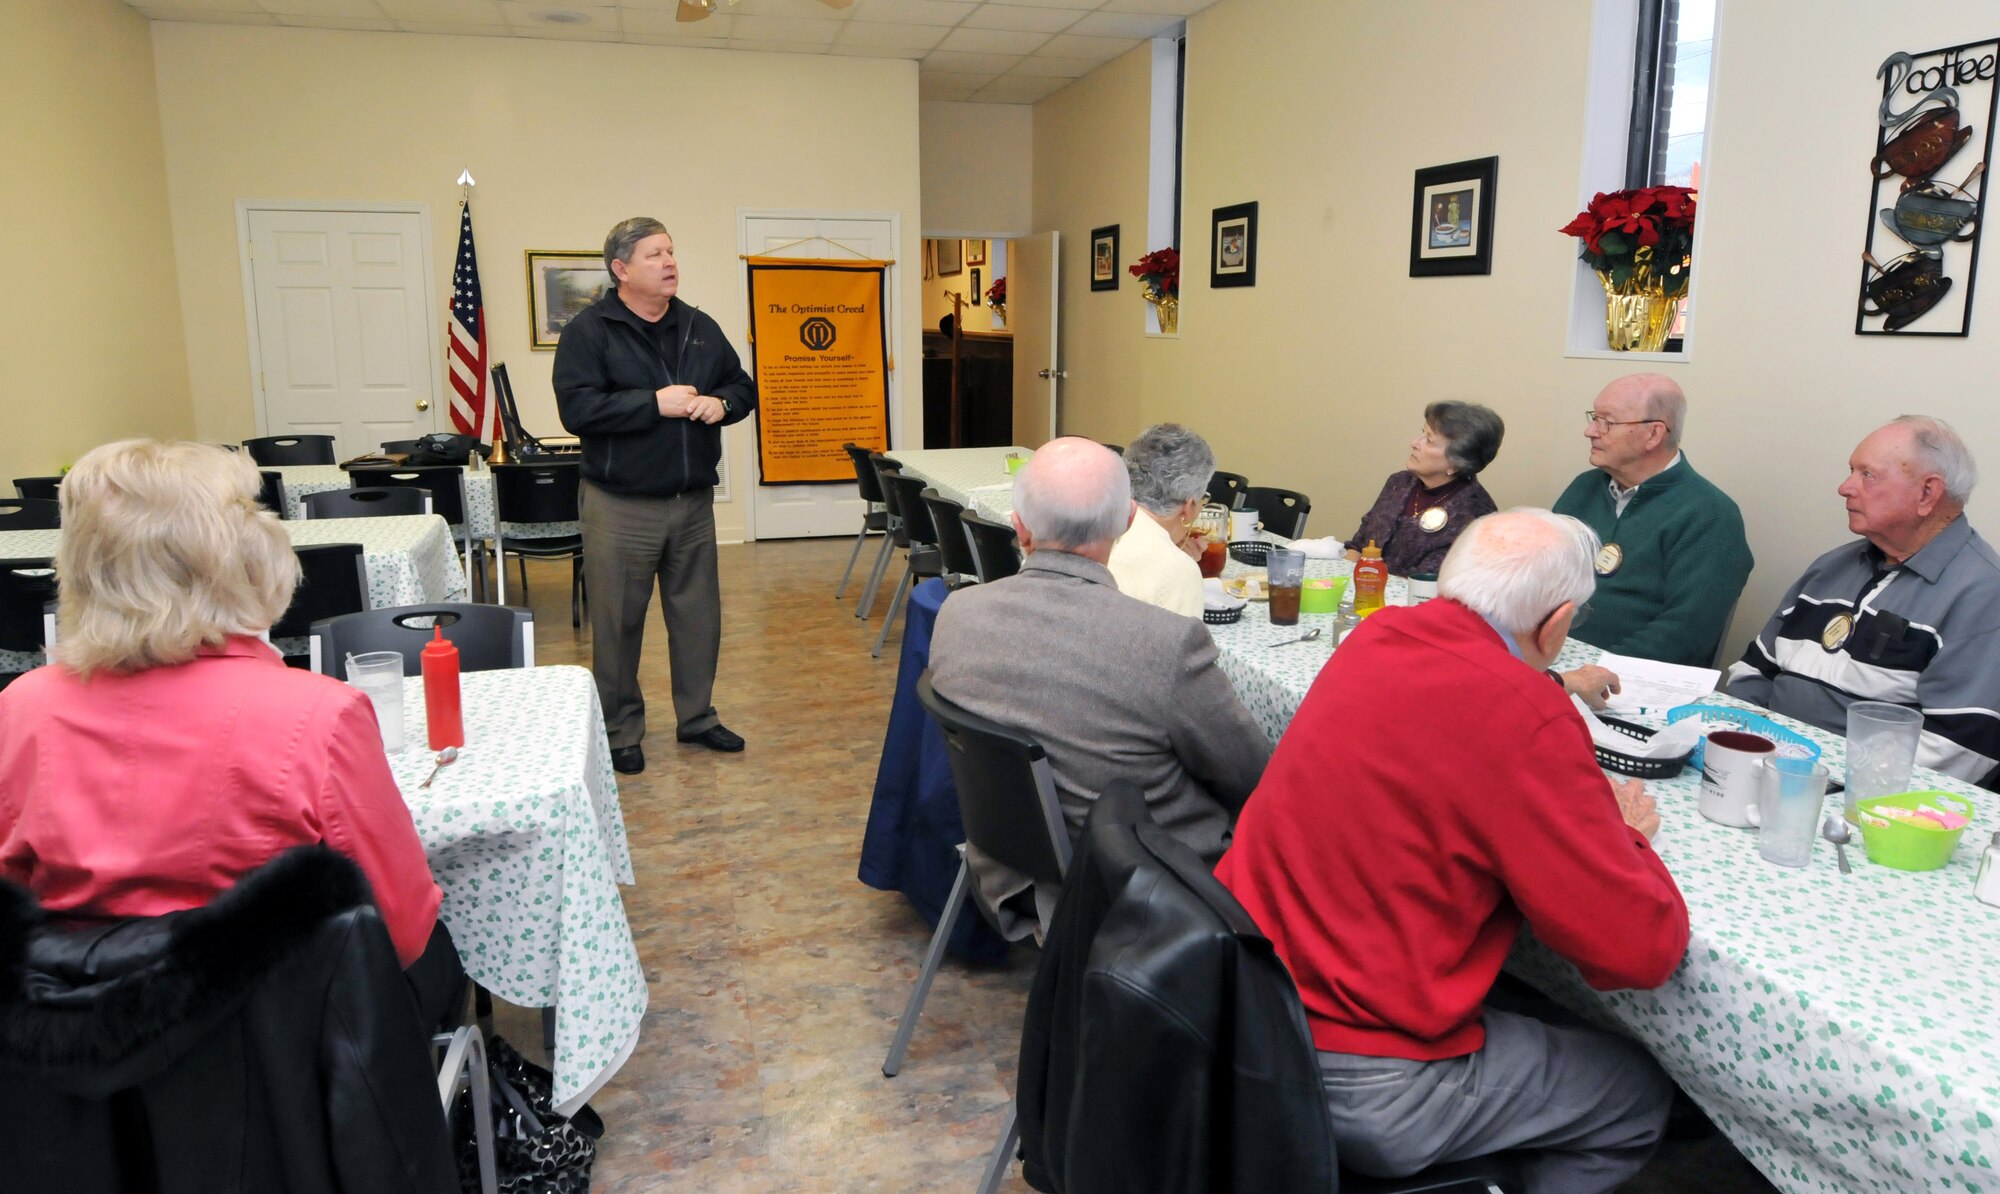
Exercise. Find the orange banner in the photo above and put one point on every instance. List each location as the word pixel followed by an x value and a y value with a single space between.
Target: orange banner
pixel 819 345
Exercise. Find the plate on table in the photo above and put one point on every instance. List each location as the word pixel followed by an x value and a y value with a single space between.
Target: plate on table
pixel 1251 586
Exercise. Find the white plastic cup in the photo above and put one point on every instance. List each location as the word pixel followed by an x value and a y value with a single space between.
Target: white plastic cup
pixel 1787 810
pixel 1881 750
pixel 380 675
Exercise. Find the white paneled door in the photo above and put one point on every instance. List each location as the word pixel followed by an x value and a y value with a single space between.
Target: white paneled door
pixel 1033 297
pixel 341 317
pixel 791 511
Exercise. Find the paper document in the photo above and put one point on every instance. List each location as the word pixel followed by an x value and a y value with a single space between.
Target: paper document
pixel 1649 686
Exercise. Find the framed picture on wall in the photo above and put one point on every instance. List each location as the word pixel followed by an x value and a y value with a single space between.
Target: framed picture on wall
pixel 975 286
pixel 561 283
pixel 950 257
pixel 1233 246
pixel 1104 258
pixel 1451 219
pixel 975 252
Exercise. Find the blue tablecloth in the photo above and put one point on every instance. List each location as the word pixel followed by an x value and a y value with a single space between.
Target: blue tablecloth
pixel 911 844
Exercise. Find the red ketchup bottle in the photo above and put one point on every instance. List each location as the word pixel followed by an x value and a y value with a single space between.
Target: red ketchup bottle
pixel 442 712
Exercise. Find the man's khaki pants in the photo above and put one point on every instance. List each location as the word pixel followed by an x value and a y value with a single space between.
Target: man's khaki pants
pixel 628 541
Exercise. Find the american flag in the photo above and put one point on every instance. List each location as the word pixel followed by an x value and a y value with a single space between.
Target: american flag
pixel 468 337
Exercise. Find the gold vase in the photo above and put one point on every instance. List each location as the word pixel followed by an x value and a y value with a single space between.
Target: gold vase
pixel 1168 308
pixel 1638 316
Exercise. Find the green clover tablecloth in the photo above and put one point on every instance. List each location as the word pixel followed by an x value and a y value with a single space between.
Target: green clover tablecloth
pixel 302 479
pixel 1843 1030
pixel 955 472
pixel 526 838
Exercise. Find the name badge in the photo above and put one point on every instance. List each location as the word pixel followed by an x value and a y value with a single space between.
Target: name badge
pixel 1609 558
pixel 1837 629
pixel 1433 519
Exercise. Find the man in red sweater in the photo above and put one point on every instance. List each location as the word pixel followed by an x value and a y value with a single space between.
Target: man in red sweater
pixel 1433 792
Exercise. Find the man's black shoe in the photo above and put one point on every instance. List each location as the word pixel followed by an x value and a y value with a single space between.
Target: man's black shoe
pixel 628 760
pixel 714 737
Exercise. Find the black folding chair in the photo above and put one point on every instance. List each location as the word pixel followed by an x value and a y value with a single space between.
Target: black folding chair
pixel 269 451
pixel 874 515
pixel 892 537
pixel 952 541
pixel 42 489
pixel 1226 489
pixel 1282 511
pixel 538 493
pixel 30 514
pixel 446 485
pixel 488 637
pixel 271 491
pixel 27 604
pixel 333 580
pixel 996 551
pixel 924 560
pixel 366 503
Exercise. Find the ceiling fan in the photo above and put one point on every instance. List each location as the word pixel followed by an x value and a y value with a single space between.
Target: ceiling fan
pixel 697 10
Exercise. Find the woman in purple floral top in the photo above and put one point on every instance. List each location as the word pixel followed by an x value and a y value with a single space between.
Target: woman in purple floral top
pixel 1423 507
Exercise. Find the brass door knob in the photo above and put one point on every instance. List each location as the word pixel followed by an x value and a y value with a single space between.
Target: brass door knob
pixel 423 404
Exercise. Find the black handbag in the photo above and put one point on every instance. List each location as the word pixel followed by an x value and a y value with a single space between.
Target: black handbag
pixel 445 447
pixel 535 1151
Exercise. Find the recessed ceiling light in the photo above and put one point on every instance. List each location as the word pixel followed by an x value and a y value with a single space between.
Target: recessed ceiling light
pixel 562 16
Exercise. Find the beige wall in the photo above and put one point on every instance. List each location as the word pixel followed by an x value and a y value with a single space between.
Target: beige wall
pixel 90 322
pixel 938 291
pixel 1315 378
pixel 565 139
pixel 978 167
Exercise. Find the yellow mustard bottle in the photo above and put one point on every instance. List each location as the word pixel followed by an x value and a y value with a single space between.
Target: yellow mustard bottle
pixel 1371 580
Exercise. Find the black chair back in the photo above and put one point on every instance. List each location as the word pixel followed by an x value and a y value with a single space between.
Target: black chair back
pixel 333 580
pixel 42 489
pixel 269 451
pixel 910 507
pixel 488 637
pixel 26 588
pixel 398 446
pixel 952 541
pixel 1282 511
pixel 366 503
pixel 271 491
pixel 1227 489
pixel 886 468
pixel 864 474
pixel 536 492
pixel 30 514
pixel 996 551
pixel 445 483
pixel 1006 790
pixel 1118 448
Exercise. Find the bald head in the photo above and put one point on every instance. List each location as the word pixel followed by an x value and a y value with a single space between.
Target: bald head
pixel 1637 429
pixel 1516 568
pixel 1073 495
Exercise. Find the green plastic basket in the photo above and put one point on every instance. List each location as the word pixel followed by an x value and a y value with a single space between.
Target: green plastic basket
pixel 1906 846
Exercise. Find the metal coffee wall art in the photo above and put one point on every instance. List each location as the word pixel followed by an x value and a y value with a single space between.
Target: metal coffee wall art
pixel 1921 251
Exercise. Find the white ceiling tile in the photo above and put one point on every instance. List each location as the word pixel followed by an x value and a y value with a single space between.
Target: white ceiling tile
pixel 1103 49
pixel 792 30
pixel 1179 8
pixel 1072 5
pixel 991 41
pixel 811 10
pixel 967 64
pixel 873 52
pixel 470 12
pixel 1127 24
pixel 777 47
pixel 679 43
pixel 914 12
pixel 382 26
pixel 1016 16
pixel 454 29
pixel 663 24
pixel 352 10
pixel 529 14
pixel 889 37
pixel 209 16
pixel 566 33
pixel 182 8
pixel 1016 89
pixel 1042 67
pixel 948 86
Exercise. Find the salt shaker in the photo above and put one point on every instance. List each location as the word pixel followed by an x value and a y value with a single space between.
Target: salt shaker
pixel 1987 886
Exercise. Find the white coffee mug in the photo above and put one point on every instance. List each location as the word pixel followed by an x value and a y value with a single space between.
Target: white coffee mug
pixel 1732 775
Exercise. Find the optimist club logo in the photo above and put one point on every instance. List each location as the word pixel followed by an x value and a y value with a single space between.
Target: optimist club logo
pixel 817 333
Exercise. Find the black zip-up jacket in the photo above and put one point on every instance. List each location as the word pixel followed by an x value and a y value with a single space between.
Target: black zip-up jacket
pixel 608 368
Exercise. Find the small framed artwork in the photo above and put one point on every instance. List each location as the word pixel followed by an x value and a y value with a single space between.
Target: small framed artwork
pixel 1451 219
pixel 1233 246
pixel 975 286
pixel 561 283
pixel 950 257
pixel 975 252
pixel 1104 258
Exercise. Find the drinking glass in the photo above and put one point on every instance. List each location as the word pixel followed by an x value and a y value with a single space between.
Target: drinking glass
pixel 1881 750
pixel 380 675
pixel 1287 571
pixel 1787 810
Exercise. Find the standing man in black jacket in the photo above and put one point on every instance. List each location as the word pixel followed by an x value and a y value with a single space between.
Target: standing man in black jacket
pixel 648 382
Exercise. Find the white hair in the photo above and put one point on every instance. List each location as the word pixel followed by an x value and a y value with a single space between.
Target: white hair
pixel 1073 493
pixel 1940 450
pixel 1515 568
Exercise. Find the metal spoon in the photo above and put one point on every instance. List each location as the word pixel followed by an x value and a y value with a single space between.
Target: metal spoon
pixel 1835 831
pixel 446 758
pixel 1307 637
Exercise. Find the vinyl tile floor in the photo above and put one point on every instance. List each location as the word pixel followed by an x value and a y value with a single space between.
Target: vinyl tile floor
pixel 775 976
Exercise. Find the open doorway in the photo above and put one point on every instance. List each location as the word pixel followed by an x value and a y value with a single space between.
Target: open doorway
pixel 968 345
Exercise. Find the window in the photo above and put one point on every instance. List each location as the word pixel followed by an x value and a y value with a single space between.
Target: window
pixel 1669 127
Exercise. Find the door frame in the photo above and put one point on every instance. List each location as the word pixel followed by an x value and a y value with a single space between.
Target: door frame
pixel 243 209
pixel 892 321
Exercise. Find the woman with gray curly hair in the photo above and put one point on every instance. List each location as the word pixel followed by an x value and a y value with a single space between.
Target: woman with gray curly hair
pixel 1436 494
pixel 1154 560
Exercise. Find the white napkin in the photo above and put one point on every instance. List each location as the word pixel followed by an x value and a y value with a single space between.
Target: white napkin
pixel 1327 548
pixel 1672 741
pixel 1214 598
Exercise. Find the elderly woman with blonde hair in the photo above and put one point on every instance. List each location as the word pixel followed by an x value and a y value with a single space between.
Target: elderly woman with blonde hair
pixel 167 751
pixel 1153 560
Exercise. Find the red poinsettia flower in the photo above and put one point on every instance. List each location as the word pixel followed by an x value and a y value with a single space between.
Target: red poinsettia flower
pixel 1160 269
pixel 1625 212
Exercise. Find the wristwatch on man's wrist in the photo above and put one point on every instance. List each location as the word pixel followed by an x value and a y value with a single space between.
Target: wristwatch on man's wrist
pixel 1557 676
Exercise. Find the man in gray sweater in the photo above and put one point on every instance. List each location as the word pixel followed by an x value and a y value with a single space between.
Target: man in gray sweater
pixel 1110 686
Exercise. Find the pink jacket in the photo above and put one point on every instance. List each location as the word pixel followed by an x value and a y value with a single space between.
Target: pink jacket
pixel 136 795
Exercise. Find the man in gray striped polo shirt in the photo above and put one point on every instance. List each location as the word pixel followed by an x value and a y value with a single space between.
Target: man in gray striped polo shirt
pixel 1910 615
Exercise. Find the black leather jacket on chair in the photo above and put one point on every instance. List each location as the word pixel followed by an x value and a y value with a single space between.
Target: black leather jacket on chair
pixel 1164 1049
pixel 265 1043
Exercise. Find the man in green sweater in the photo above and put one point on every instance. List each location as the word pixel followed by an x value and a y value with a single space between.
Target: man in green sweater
pixel 1674 558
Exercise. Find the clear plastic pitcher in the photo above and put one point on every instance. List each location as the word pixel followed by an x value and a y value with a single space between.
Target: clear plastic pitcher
pixel 1787 810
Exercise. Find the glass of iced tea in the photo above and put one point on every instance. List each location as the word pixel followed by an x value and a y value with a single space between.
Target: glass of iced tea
pixel 1214 557
pixel 1287 572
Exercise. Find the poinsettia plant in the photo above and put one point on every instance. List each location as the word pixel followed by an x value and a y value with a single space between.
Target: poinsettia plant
pixel 1645 233
pixel 1160 272
pixel 997 293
